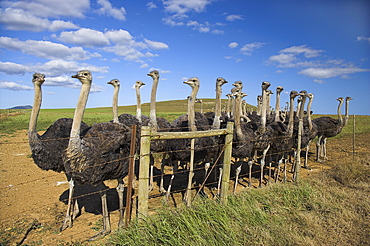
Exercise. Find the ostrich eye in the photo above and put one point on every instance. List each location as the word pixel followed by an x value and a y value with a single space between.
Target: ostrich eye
pixel 85 74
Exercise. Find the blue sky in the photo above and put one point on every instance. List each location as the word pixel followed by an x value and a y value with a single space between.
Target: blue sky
pixel 321 46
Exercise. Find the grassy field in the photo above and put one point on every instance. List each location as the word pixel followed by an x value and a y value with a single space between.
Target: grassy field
pixel 330 208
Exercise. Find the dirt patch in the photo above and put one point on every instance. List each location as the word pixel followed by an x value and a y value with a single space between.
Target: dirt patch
pixel 32 201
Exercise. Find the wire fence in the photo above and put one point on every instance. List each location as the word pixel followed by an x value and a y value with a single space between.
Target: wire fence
pixel 203 178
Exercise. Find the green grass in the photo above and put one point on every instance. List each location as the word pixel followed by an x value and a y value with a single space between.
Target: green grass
pixel 319 211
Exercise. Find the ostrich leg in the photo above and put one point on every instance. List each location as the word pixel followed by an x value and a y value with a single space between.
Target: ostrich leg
pixel 72 203
pixel 250 164
pixel 120 188
pixel 306 157
pixel 237 172
pixel 106 221
pixel 263 164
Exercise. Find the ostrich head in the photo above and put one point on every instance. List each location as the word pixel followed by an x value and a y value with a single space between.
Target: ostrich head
pixel 310 96
pixel 279 89
pixel 220 82
pixel 340 99
pixel 269 92
pixel 349 98
pixel 139 84
pixel 154 74
pixel 193 82
pixel 114 82
pixel 38 78
pixel 265 85
pixel 294 94
pixel 303 93
pixel 84 76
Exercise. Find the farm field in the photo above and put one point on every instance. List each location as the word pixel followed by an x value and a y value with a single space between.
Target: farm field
pixel 31 200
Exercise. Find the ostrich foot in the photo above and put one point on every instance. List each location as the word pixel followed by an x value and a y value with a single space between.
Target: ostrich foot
pixel 101 234
pixel 306 167
pixel 66 223
pixel 162 190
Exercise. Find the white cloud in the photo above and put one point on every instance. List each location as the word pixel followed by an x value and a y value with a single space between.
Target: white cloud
pixel 362 38
pixel 119 36
pixel 68 82
pixel 44 49
pixel 233 45
pixel 85 37
pixel 145 65
pixel 43 8
pixel 325 73
pixel 17 19
pixel 302 49
pixel 248 48
pixel 109 10
pixel 13 68
pixel 156 45
pixel 234 17
pixel 216 31
pixel 319 81
pixel 184 6
pixel 283 58
pixel 171 22
pixel 14 86
pixel 151 5
pixel 50 68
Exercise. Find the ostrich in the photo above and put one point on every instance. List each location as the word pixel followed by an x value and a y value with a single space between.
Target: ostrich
pixel 138 85
pixel 192 121
pixel 48 149
pixel 98 155
pixel 251 136
pixel 283 140
pixel 228 106
pixel 309 130
pixel 216 121
pixel 157 124
pixel 327 127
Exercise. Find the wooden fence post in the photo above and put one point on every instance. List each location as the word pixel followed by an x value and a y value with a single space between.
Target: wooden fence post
pixel 227 163
pixel 143 189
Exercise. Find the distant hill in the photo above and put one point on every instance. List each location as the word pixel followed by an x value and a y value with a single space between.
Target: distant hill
pixel 22 107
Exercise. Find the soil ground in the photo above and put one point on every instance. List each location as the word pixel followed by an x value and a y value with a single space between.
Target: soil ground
pixel 33 202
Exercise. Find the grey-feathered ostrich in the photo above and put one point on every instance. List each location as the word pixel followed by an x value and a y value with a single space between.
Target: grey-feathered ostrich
pixel 48 149
pixel 283 141
pixel 327 127
pixel 310 130
pixel 101 154
pixel 192 121
pixel 251 136
pixel 159 124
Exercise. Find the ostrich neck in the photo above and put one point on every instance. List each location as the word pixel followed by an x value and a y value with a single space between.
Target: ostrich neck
pixel 301 108
pixel 263 111
pixel 339 113
pixel 138 104
pixel 191 112
pixel 291 116
pixel 115 104
pixel 153 115
pixel 309 114
pixel 228 106
pixel 79 112
pixel 347 115
pixel 216 121
pixel 277 107
pixel 35 110
pixel 237 116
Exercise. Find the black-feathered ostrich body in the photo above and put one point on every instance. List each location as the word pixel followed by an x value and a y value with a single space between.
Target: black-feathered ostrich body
pixel 193 121
pixel 48 149
pixel 101 154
